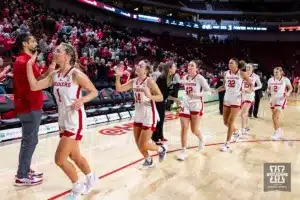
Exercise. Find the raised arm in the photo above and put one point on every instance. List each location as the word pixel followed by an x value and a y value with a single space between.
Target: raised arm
pixel 35 84
pixel 122 87
pixel 48 72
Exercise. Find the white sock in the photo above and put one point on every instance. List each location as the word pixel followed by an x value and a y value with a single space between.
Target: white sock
pixel 76 185
pixel 278 130
pixel 89 176
pixel 149 159
pixel 183 149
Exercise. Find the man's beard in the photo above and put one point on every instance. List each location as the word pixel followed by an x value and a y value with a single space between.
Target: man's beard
pixel 33 50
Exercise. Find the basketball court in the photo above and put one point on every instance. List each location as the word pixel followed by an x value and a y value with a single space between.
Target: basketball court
pixel 207 174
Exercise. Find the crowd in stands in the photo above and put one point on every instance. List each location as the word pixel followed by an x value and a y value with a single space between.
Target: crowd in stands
pixel 101 46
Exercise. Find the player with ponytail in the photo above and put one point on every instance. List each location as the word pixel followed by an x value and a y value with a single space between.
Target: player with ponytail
pixel 68 83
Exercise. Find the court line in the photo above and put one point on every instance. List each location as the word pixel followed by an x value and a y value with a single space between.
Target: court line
pixel 172 151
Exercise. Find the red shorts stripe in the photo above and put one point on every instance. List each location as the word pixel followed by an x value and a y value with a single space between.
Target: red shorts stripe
pixel 247 101
pixel 184 115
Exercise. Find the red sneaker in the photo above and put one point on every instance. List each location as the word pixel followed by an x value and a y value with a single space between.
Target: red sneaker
pixel 29 181
pixel 35 173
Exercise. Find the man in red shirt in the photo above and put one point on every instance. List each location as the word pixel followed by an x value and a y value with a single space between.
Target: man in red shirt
pixel 28 105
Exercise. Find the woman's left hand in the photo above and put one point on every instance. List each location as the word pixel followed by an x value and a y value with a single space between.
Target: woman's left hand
pixel 77 104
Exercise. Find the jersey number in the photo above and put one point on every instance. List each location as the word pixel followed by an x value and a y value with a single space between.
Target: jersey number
pixel 275 88
pixel 188 90
pixel 246 85
pixel 231 83
pixel 138 98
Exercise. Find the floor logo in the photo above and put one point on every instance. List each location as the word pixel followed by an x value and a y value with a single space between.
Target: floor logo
pixel 125 128
pixel 277 176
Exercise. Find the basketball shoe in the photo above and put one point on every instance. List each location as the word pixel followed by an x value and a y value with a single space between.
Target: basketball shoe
pixel 29 181
pixel 182 155
pixel 148 163
pixel 35 173
pixel 76 191
pixel 90 182
pixel 162 152
pixel 224 147
pixel 201 143
pixel 276 135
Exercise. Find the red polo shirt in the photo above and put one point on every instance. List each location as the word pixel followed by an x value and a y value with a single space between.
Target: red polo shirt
pixel 25 99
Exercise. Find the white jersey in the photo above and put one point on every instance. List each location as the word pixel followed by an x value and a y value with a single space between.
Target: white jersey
pixel 146 115
pixel 196 85
pixel 233 83
pixel 140 98
pixel 66 91
pixel 254 78
pixel 278 87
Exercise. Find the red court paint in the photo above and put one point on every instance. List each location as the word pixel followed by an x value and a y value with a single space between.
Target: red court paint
pixel 172 151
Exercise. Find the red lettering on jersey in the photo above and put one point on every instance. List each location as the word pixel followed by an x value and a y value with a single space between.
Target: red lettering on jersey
pixel 190 84
pixel 62 84
pixel 138 90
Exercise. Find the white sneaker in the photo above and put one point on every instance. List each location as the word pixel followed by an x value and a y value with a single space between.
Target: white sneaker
pixel 224 148
pixel 163 155
pixel 147 164
pixel 245 131
pixel 276 135
pixel 235 136
pixel 90 182
pixel 201 144
pixel 182 155
pixel 76 192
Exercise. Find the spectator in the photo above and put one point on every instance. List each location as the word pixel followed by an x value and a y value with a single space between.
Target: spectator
pixel 3 74
pixel 43 44
pixel 24 28
pixel 157 72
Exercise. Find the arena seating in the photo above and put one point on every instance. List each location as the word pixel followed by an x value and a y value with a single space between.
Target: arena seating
pixel 108 101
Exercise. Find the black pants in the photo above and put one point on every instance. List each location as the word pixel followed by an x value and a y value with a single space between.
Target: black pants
pixel 158 133
pixel 221 100
pixel 174 93
pixel 254 108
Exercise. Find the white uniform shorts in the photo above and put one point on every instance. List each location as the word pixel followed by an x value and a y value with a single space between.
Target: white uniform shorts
pixel 189 108
pixel 278 103
pixel 248 98
pixel 232 100
pixel 146 117
pixel 72 123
